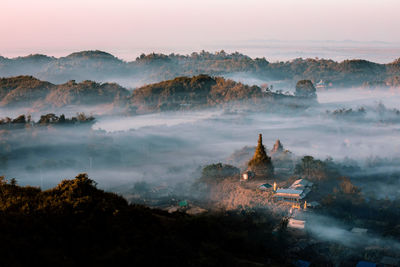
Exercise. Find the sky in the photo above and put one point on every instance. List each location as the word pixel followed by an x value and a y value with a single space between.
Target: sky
pixel 128 26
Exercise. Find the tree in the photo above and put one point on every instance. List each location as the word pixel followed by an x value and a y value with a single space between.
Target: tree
pixel 20 119
pixel 261 163
pixel 305 88
pixel 218 172
pixel 306 166
pixel 81 116
pixel 61 119
pixel 347 187
pixel 314 169
pixel 48 118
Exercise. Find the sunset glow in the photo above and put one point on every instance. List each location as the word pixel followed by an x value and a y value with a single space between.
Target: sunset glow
pixel 121 26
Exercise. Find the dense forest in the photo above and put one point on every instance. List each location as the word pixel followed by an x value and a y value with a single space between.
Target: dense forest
pixel 181 93
pixel 201 91
pixel 104 67
pixel 75 223
pixel 45 120
pixel 28 91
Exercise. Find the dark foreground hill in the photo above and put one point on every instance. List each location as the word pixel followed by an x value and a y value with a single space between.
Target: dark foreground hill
pixel 104 67
pixel 76 224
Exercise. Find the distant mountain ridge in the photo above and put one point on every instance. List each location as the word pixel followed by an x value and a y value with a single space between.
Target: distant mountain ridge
pixel 104 67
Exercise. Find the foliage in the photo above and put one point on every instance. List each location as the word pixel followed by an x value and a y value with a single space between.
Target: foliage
pixel 153 67
pixel 70 196
pixel 305 88
pixel 27 90
pixel 314 169
pixel 76 223
pixel 378 113
pixel 184 92
pixel 346 187
pixel 217 172
pixel 47 119
pixel 180 93
pixel 348 113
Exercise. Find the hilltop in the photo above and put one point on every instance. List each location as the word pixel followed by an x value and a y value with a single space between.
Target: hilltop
pixel 182 93
pixel 185 93
pixel 29 91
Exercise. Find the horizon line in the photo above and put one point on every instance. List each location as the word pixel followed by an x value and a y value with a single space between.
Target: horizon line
pixel 189 54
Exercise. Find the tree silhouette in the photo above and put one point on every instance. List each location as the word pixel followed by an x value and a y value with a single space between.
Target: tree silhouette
pixel 218 172
pixel 313 169
pixel 305 88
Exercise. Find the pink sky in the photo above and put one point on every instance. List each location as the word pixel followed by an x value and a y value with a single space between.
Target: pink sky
pixel 58 27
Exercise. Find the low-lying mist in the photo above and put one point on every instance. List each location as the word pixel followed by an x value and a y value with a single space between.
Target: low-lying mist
pixel 170 147
pixel 332 230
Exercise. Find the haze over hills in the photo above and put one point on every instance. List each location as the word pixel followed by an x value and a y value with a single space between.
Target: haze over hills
pixel 104 67
pixel 195 123
pixel 280 150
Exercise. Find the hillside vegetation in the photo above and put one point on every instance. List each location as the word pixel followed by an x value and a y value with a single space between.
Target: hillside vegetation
pixel 150 68
pixel 29 91
pixel 76 223
pixel 182 93
pixel 185 93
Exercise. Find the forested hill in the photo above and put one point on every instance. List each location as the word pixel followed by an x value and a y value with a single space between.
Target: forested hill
pixel 104 67
pixel 29 91
pixel 203 91
pixel 186 93
pixel 182 93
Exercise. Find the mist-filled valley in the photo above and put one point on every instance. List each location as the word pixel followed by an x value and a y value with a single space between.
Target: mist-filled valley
pixel 200 134
pixel 321 186
pixel 174 144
